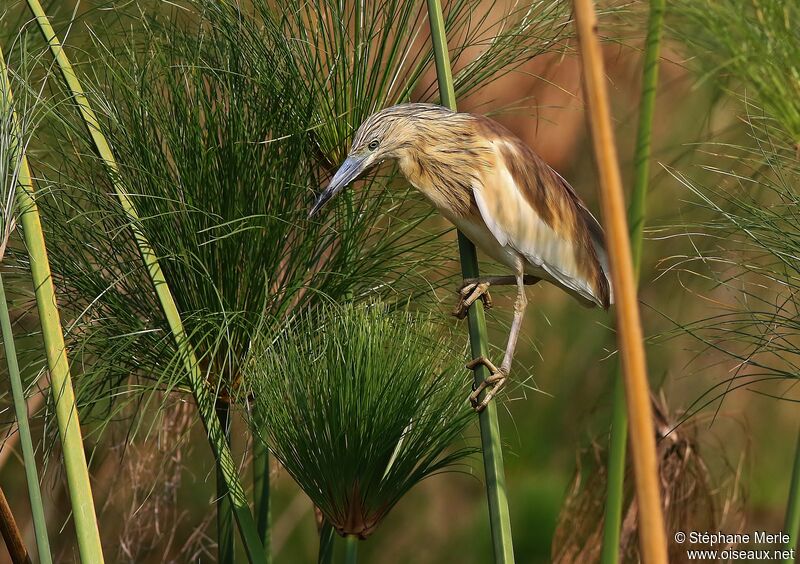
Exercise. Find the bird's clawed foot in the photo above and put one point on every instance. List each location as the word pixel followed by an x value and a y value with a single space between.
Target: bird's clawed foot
pixel 469 293
pixel 492 384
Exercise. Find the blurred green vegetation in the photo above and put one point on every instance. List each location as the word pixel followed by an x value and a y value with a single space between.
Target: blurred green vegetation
pixel 156 490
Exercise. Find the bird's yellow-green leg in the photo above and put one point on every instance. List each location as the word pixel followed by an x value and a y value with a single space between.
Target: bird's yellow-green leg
pixel 470 292
pixel 474 288
pixel 497 378
pixel 493 382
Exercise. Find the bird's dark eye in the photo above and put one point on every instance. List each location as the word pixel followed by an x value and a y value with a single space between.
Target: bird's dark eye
pixel 373 144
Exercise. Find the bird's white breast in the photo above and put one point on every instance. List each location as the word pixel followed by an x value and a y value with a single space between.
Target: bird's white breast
pixel 476 231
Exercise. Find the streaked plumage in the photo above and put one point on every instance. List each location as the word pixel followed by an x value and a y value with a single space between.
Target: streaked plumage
pixel 495 189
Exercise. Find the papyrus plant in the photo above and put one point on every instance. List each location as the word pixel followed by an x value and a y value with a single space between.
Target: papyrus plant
pixel 360 404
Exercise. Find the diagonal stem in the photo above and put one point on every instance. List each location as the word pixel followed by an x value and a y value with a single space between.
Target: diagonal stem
pixel 34 403
pixel 21 409
pixel 197 383
pixel 499 517
pixel 10 533
pixel 69 429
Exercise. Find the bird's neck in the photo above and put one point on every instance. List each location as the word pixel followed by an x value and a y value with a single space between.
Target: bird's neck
pixel 446 173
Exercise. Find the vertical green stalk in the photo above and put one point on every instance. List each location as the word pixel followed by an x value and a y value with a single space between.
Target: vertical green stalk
pixel 792 523
pixel 638 205
pixel 199 387
pixel 225 545
pixel 615 489
pixel 261 492
pixel 21 408
pixel 351 549
pixel 499 517
pixel 326 538
pixel 69 429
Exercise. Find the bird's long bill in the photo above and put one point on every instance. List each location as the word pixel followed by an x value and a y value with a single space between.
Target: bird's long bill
pixel 351 168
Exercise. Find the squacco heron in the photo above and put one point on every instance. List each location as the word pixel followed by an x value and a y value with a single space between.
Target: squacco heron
pixel 497 192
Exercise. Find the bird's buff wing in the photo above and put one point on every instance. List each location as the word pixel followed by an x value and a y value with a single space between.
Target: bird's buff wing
pixel 529 208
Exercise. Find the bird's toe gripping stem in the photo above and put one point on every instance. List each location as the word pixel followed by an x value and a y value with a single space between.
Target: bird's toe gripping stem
pixel 492 383
pixel 468 294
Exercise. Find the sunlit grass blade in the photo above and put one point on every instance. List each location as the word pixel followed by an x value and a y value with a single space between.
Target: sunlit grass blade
pixel 77 472
pixel 202 395
pixel 629 329
pixel 11 139
pixel 636 218
pixel 492 448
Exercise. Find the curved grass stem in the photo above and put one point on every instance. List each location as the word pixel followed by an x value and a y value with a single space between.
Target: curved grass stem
pixel 494 473
pixel 636 218
pixel 197 383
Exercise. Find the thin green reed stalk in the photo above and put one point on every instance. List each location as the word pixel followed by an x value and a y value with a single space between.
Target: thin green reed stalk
pixel 202 395
pixel 636 218
pixel 792 523
pixel 261 492
pixel 17 388
pixel 638 205
pixel 69 429
pixel 615 488
pixel 351 549
pixel 499 517
pixel 226 549
pixel 326 538
pixel 21 409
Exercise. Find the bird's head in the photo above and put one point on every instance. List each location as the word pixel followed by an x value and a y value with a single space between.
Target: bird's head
pixel 383 136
